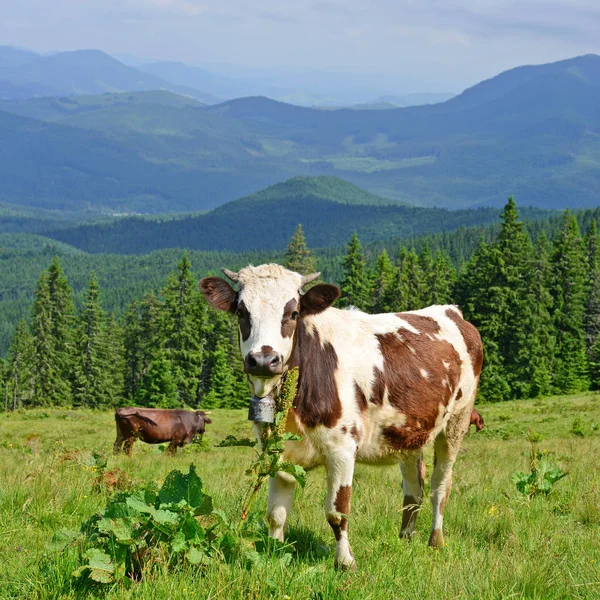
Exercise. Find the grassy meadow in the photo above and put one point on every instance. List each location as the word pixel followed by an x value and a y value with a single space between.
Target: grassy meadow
pixel 499 544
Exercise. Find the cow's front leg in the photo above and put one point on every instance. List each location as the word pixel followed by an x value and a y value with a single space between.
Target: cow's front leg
pixel 281 495
pixel 340 468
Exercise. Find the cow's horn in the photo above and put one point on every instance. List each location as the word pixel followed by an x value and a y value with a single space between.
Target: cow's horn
pixel 233 276
pixel 308 278
pixel 207 412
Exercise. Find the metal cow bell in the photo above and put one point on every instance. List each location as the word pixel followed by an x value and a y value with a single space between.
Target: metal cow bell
pixel 262 410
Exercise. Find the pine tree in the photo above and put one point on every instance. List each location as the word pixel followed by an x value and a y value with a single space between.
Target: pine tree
pixel 49 386
pixel 116 360
pixel 18 375
pixel 480 298
pixel 398 296
pixel 382 285
pixel 441 280
pixel 536 342
pixel 356 286
pixel 133 353
pixel 218 376
pixel 158 388
pixel 570 293
pixel 592 312
pixel 426 266
pixel 92 386
pixel 183 331
pixel 62 319
pixel 297 256
pixel 415 282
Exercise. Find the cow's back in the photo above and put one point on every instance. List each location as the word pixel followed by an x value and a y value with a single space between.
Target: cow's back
pixel 398 377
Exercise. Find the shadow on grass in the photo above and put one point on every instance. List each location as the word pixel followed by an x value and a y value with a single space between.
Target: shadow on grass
pixel 307 546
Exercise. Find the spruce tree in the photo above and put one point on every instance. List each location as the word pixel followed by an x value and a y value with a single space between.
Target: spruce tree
pixel 398 296
pixel 92 386
pixel 115 350
pixel 592 312
pixel 383 284
pixel 297 256
pixel 183 331
pixel 570 293
pixel 536 340
pixel 416 292
pixel 49 385
pixel 62 319
pixel 441 280
pixel 480 298
pixel 356 285
pixel 18 374
pixel 158 388
pixel 133 353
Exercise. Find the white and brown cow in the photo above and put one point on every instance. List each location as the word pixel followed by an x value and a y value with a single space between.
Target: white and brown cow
pixel 371 388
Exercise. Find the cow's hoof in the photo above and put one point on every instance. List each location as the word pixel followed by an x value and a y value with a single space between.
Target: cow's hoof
pixel 436 539
pixel 346 567
pixel 407 535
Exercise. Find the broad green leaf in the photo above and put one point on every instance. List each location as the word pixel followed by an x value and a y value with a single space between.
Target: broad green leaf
pixel 61 539
pixel 178 543
pixel 100 566
pixel 165 517
pixel 296 471
pixel 179 487
pixel 137 501
pixel 195 556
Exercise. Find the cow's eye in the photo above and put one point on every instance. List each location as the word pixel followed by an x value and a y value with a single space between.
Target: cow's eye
pixel 294 315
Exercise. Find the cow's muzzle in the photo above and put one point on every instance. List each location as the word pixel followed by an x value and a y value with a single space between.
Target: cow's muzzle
pixel 263 364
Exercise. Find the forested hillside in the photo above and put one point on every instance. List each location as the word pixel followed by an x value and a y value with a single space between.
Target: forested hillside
pixel 329 209
pixel 531 132
pixel 535 301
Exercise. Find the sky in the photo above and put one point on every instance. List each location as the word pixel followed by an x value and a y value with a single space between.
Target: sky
pixel 421 45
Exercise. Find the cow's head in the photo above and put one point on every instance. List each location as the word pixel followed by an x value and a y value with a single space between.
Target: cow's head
pixel 269 303
pixel 202 422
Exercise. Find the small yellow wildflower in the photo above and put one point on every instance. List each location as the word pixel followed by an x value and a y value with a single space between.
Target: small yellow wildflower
pixel 493 510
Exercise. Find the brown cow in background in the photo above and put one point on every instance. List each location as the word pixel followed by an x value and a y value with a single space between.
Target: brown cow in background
pixel 477 420
pixel 156 426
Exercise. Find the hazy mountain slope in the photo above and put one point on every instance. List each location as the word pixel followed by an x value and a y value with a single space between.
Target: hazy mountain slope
pixel 58 108
pixel 533 133
pixel 88 72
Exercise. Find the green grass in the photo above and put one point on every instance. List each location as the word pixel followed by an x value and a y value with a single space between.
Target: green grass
pixel 498 544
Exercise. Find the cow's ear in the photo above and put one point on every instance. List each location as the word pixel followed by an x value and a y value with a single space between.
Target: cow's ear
pixel 219 293
pixel 318 298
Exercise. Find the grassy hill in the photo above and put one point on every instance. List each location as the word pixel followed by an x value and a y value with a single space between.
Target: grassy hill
pixel 532 132
pixel 329 209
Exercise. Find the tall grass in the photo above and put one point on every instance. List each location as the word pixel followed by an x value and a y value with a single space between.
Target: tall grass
pixel 498 543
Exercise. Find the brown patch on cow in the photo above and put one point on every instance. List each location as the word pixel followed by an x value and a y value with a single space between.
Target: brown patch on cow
pixel 290 318
pixel 421 323
pixel 355 433
pixel 361 399
pixel 471 337
pixel 459 394
pixel 342 504
pixel 344 430
pixel 317 401
pixel 337 530
pixel 244 322
pixel 416 398
pixel 410 509
pixel 218 293
pixel 436 539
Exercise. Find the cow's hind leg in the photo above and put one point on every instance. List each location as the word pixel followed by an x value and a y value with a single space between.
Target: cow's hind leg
pixel 281 495
pixel 446 447
pixel 340 469
pixel 172 449
pixel 117 446
pixel 412 487
pixel 128 446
